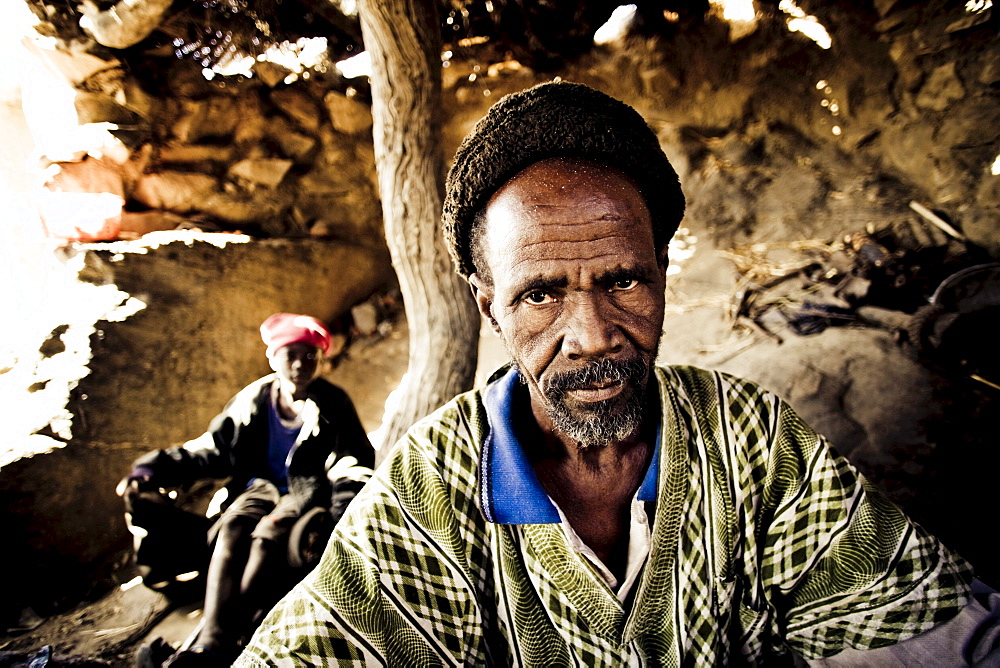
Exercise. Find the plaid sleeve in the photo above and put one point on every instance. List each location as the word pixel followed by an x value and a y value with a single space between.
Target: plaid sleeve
pixel 841 565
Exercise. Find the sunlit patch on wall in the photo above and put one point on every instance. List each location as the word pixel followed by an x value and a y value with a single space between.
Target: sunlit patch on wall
pixel 616 26
pixel 806 24
pixel 356 66
pixel 740 14
pixel 681 249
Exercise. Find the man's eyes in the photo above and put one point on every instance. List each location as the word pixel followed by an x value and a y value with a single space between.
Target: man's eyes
pixel 542 297
pixel 623 284
pixel 537 297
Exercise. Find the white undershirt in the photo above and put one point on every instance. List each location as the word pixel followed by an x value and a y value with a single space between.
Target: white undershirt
pixel 638 548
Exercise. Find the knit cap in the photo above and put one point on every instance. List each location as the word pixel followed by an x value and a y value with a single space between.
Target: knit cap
pixel 553 120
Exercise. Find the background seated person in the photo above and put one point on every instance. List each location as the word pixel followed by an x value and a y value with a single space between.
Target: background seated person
pixel 275 441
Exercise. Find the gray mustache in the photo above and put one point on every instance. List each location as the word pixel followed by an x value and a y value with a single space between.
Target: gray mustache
pixel 604 371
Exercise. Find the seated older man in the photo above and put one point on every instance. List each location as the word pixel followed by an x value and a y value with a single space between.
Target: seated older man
pixel 587 507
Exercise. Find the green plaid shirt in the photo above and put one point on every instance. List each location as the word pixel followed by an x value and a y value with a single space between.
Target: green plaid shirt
pixel 764 541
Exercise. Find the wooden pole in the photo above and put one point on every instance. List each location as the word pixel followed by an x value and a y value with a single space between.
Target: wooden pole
pixel 403 38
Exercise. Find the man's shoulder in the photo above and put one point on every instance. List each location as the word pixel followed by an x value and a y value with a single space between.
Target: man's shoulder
pixel 434 465
pixel 697 379
pixel 464 416
pixel 449 438
pixel 258 386
pixel 699 392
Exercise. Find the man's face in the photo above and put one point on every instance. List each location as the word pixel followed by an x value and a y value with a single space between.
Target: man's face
pixel 297 364
pixel 576 295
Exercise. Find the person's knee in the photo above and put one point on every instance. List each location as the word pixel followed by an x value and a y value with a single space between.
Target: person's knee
pixel 235 528
pixel 263 548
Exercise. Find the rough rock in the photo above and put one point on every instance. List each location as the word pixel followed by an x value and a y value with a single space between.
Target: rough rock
pixel 73 64
pixel 270 73
pixel 190 153
pixel 133 97
pixel 298 106
pixel 774 207
pixel 99 108
pixel 975 121
pixel 267 172
pixel 968 21
pixel 889 23
pixel 134 165
pixel 91 175
pixel 135 224
pixel 980 227
pixel 906 147
pixel 293 144
pixel 242 207
pixel 251 128
pixel 883 7
pixel 365 318
pixel 990 72
pixel 201 119
pixel 941 89
pixel 347 114
pixel 902 52
pixel 175 191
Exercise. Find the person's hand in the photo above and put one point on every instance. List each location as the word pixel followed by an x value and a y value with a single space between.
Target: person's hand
pixel 138 480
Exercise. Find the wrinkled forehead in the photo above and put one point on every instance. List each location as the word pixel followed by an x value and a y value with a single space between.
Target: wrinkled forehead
pixel 565 201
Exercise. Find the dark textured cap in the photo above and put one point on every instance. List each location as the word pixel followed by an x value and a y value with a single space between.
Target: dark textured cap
pixel 555 120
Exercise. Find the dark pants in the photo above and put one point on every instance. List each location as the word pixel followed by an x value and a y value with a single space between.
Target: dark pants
pixel 275 513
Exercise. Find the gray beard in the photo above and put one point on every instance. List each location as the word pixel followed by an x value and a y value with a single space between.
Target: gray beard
pixel 596 425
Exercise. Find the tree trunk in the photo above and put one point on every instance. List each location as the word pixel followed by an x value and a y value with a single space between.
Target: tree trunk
pixel 404 41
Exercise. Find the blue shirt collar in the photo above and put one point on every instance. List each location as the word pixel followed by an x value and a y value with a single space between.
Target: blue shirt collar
pixel 509 489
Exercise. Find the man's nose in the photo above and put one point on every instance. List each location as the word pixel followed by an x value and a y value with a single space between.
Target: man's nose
pixel 591 331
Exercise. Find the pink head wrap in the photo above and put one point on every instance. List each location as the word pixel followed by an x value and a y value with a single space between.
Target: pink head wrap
pixel 282 329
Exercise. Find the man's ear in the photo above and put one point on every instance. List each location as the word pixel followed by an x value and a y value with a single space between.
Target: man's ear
pixel 483 294
pixel 662 257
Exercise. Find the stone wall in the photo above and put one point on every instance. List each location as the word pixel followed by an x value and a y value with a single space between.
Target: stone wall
pixel 255 155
